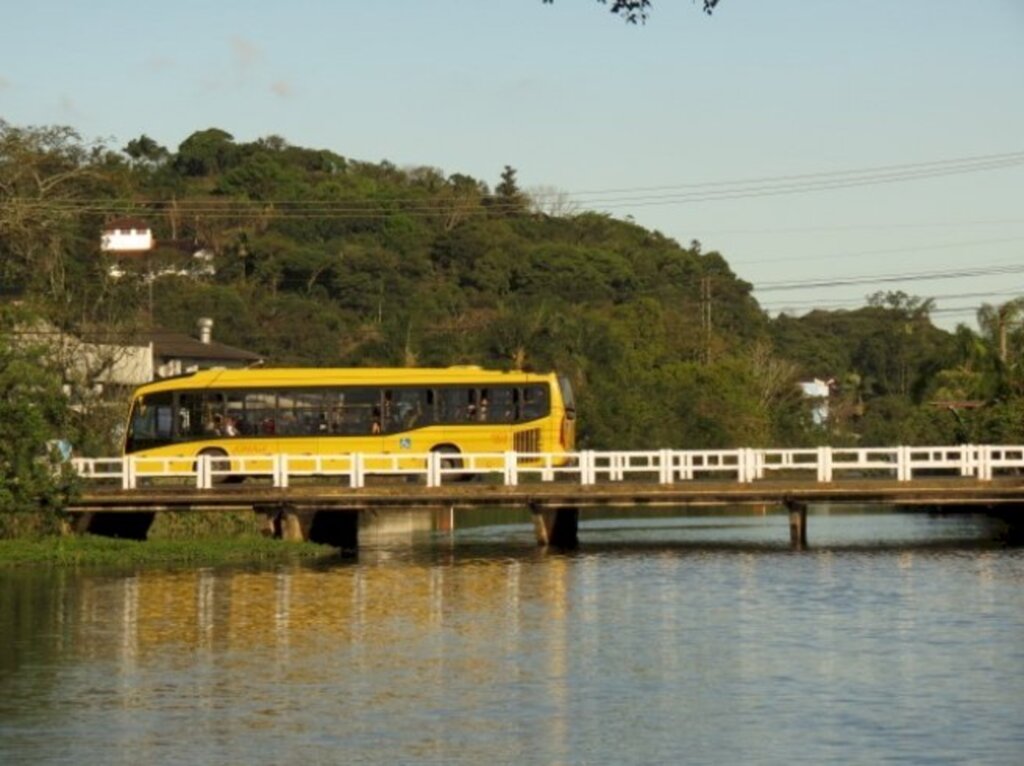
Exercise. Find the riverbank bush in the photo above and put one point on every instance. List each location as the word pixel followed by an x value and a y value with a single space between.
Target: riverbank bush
pixel 35 482
pixel 89 550
pixel 189 525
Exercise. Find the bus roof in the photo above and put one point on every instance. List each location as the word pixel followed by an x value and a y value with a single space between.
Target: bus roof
pixel 299 377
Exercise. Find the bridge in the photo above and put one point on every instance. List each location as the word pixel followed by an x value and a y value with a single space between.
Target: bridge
pixel 321 497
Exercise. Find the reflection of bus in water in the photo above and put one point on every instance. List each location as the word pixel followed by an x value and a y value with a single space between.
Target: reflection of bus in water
pixel 342 411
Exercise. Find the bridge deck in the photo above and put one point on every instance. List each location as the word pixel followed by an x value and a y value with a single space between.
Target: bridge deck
pixel 923 491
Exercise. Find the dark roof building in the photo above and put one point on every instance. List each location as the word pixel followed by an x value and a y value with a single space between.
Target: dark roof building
pixel 175 353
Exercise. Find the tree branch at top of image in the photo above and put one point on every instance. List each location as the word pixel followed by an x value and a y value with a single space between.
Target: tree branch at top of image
pixel 636 11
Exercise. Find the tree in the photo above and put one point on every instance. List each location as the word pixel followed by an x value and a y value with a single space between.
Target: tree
pixel 998 323
pixel 508 199
pixel 145 150
pixel 972 377
pixel 1002 329
pixel 33 412
pixel 50 185
pixel 552 201
pixel 634 11
pixel 206 152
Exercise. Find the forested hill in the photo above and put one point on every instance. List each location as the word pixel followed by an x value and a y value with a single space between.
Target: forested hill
pixel 320 259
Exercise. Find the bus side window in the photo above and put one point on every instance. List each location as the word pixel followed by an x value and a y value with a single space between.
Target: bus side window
pixel 360 407
pixel 430 415
pixel 235 424
pixel 483 405
pixel 455 404
pixel 304 411
pixel 194 415
pixel 334 411
pixel 260 413
pixel 535 402
pixel 500 407
pixel 405 408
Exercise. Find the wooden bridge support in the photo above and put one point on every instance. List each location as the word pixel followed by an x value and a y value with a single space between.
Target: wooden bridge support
pixel 556 527
pixel 797 523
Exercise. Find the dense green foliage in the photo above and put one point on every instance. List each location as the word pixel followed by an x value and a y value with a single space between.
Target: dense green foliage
pixel 33 412
pixel 320 259
pixel 89 550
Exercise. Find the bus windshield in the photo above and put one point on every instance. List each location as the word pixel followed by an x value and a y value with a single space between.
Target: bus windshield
pixel 151 423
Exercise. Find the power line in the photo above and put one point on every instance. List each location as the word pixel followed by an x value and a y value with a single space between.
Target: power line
pixel 609 198
pixel 858 303
pixel 885 251
pixel 957 165
pixel 770 189
pixel 786 230
pixel 981 271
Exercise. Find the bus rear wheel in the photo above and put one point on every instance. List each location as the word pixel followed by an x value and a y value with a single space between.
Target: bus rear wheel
pixel 450 461
pixel 217 455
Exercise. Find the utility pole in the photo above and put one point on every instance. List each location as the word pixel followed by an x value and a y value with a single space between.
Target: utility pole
pixel 149 286
pixel 705 316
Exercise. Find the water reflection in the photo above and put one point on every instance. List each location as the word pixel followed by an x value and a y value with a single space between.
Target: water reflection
pixel 704 639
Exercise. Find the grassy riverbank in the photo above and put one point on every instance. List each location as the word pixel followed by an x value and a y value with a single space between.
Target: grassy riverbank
pixel 89 550
pixel 174 539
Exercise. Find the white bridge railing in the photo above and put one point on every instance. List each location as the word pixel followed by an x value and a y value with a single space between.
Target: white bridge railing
pixel 665 466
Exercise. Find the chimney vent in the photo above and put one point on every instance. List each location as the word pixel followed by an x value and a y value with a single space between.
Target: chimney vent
pixel 205 325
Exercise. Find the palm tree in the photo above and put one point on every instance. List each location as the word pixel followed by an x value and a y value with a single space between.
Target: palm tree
pixel 996 323
pixel 1002 328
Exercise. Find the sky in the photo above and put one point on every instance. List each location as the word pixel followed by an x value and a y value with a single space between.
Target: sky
pixel 828 149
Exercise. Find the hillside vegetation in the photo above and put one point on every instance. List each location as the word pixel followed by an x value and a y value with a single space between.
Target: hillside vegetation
pixel 320 259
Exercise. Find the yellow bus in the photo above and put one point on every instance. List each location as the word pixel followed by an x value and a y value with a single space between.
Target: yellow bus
pixel 255 412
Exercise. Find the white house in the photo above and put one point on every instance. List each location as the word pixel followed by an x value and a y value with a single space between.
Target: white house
pixel 126 236
pixel 129 238
pixel 818 391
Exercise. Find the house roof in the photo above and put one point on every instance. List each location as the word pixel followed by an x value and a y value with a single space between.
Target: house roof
pixel 179 345
pixel 127 223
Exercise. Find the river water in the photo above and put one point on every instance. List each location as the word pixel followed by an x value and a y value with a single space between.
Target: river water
pixel 894 638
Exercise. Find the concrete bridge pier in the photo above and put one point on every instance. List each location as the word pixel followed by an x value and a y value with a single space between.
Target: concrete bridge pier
pixel 336 527
pixel 556 527
pixel 797 523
